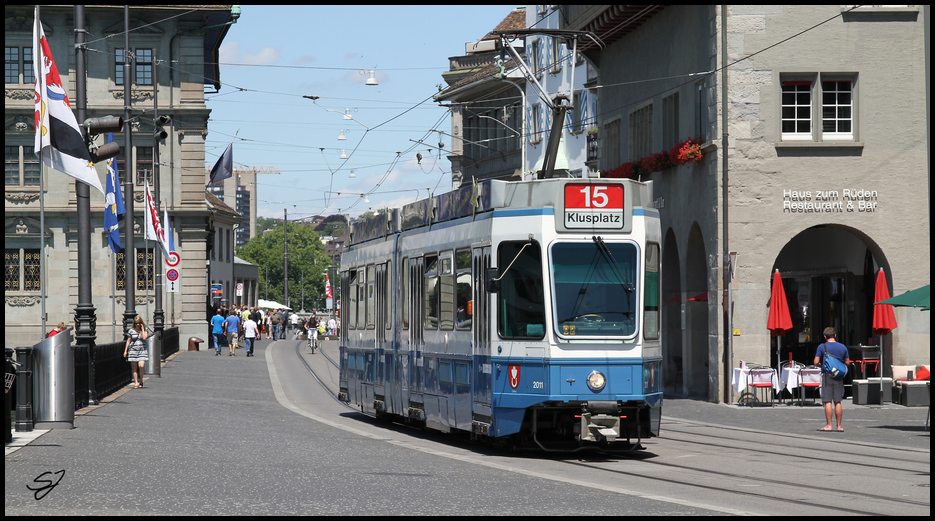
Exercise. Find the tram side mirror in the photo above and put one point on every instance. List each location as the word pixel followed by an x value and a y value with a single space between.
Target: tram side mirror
pixel 492 279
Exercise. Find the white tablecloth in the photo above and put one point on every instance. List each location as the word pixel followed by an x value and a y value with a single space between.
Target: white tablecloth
pixel 791 376
pixel 741 377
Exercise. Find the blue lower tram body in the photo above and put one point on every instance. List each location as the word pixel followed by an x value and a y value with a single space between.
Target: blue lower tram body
pixel 557 390
pixel 476 393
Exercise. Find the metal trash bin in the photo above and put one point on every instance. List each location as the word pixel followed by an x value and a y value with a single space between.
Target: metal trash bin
pixel 54 382
pixel 153 366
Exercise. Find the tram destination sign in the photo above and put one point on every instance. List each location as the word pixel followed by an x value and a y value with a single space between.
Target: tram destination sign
pixel 594 206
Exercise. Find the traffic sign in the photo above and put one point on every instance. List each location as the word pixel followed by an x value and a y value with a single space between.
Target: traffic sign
pixel 173 259
pixel 173 280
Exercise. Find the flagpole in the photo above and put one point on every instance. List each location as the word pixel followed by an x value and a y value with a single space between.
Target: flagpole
pixel 159 316
pixel 129 244
pixel 42 263
pixel 85 312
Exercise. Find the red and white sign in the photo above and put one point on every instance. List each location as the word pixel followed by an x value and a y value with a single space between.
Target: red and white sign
pixel 513 373
pixel 172 260
pixel 590 206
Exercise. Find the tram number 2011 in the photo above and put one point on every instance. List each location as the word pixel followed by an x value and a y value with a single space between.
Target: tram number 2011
pixel 538 385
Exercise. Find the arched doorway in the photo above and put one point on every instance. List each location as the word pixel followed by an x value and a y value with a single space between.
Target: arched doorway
pixel 828 274
pixel 696 314
pixel 672 315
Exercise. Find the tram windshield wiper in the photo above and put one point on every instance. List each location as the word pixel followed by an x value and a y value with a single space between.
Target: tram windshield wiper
pixel 609 257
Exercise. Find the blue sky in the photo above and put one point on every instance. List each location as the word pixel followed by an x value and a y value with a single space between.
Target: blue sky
pixel 285 52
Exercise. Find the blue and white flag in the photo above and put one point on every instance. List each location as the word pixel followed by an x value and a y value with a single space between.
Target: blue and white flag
pixel 224 168
pixel 114 209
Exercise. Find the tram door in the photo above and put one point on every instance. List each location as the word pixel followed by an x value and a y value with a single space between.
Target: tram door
pixel 417 341
pixel 379 302
pixel 480 318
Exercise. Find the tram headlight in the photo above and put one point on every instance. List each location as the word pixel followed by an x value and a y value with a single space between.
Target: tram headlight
pixel 596 380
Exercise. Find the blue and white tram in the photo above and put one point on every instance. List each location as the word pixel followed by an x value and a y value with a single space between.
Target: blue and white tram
pixel 527 312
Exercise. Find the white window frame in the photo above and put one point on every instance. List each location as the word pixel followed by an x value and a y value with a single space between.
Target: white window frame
pixel 817 107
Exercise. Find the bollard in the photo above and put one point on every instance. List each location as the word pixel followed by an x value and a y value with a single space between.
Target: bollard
pixel 153 366
pixel 24 388
pixel 193 343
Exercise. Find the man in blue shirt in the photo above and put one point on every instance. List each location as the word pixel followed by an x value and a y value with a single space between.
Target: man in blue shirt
pixel 233 331
pixel 217 329
pixel 832 390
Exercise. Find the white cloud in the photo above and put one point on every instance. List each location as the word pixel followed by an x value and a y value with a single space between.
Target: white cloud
pixel 231 52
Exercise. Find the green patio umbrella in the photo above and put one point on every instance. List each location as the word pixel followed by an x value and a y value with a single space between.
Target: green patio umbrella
pixel 917 298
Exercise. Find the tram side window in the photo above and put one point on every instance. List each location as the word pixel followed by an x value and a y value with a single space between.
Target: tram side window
pixel 352 293
pixel 521 302
pixel 651 293
pixel 361 299
pixel 431 292
pixel 447 290
pixel 405 293
pixel 463 309
pixel 390 283
pixel 371 305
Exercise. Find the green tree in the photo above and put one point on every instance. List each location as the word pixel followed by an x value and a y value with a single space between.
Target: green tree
pixel 306 254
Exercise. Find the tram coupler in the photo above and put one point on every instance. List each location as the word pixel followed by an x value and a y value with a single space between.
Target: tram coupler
pixel 600 421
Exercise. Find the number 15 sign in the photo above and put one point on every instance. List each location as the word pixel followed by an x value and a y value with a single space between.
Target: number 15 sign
pixel 590 206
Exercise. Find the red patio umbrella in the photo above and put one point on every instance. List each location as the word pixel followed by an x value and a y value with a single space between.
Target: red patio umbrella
pixel 884 320
pixel 779 320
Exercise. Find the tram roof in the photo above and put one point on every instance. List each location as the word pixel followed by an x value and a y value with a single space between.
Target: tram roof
pixel 479 198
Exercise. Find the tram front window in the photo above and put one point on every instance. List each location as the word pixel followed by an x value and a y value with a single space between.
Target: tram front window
pixel 594 289
pixel 521 296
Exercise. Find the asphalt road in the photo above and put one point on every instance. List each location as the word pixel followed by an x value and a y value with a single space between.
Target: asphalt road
pixel 258 436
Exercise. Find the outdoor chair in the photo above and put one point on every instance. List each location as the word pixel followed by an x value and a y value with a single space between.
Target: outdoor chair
pixel 809 378
pixel 761 378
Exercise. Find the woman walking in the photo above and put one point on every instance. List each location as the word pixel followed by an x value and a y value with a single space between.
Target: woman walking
pixel 136 352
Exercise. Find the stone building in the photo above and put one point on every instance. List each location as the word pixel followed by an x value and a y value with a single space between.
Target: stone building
pixel 824 175
pixel 179 46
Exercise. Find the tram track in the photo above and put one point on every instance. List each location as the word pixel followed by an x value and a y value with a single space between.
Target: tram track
pixel 777 450
pixel 807 488
pixel 802 494
pixel 327 389
pixel 843 497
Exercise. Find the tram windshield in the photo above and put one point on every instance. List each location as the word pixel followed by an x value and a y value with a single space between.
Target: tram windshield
pixel 594 288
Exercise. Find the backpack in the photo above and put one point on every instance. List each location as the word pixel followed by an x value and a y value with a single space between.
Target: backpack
pixel 832 365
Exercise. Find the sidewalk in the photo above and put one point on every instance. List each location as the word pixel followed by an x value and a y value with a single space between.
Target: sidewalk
pixel 872 425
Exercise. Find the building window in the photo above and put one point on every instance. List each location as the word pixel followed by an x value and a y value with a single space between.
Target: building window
pixel 821 110
pixel 144 165
pixel 670 121
pixel 144 270
pixel 837 104
pixel 22 269
pixel 577 119
pixel 796 110
pixel 701 112
pixel 610 141
pixel 21 170
pixel 144 66
pixel 18 65
pixel 641 132
pixel 534 62
pixel 118 66
pixel 556 55
pixel 534 124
